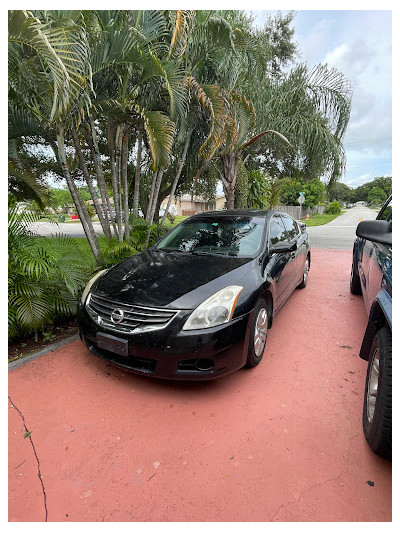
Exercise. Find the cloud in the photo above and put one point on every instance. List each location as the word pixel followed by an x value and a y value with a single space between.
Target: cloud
pixel 351 59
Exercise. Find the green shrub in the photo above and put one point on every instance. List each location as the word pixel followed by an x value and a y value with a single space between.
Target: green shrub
pixel 171 217
pixel 140 229
pixel 333 208
pixel 114 251
pixel 61 218
pixel 45 275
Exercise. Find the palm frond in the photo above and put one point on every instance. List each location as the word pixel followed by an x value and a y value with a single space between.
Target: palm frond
pixel 160 132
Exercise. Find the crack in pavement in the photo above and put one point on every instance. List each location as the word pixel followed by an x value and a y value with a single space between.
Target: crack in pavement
pixel 318 484
pixel 34 451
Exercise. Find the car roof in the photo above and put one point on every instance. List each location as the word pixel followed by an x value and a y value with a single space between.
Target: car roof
pixel 236 212
pixel 267 213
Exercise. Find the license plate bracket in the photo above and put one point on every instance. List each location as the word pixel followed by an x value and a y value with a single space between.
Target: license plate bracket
pixel 112 344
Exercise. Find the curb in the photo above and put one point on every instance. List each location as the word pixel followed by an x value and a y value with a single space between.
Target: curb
pixel 31 357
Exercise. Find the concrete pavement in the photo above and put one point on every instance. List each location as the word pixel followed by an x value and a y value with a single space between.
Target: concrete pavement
pixel 72 229
pixel 341 232
pixel 281 442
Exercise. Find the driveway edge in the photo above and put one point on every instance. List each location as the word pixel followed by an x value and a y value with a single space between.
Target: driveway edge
pixel 31 357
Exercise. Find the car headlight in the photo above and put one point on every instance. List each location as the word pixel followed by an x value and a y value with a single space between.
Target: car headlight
pixel 88 286
pixel 216 310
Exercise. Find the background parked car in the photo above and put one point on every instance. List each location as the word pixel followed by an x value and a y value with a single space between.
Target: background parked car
pixel 371 276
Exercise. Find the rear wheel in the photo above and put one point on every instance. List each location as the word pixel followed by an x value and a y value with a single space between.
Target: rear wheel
pixel 258 334
pixel 355 283
pixel 377 412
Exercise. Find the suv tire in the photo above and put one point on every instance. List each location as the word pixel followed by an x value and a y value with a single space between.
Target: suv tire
pixel 377 412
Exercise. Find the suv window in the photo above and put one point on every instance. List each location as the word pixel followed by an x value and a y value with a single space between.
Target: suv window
pixel 277 232
pixel 291 227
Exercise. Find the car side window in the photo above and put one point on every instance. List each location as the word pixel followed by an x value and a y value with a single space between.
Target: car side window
pixel 291 227
pixel 277 232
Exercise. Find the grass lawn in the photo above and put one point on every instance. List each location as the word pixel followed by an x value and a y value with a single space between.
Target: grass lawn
pixel 319 220
pixel 178 220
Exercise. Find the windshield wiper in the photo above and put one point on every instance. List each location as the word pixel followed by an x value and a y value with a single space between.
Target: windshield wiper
pixel 172 250
pixel 202 252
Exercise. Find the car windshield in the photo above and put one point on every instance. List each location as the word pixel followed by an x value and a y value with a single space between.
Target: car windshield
pixel 222 235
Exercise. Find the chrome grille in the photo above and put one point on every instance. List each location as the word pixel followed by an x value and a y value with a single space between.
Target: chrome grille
pixel 133 319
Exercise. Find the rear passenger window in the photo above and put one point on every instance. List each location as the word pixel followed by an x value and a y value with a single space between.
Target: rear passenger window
pixel 291 227
pixel 277 232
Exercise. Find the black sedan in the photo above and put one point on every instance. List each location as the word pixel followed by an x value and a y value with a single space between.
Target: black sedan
pixel 199 303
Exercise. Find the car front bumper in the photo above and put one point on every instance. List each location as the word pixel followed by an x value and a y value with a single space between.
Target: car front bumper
pixel 171 353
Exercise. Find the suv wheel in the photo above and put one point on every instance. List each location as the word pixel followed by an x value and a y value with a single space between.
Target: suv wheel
pixel 377 412
pixel 355 282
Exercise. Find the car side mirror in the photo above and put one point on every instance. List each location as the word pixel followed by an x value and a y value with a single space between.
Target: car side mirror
pixel 283 248
pixel 375 231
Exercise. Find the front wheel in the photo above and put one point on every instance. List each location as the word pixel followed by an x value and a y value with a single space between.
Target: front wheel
pixel 355 282
pixel 258 334
pixel 303 282
pixel 377 412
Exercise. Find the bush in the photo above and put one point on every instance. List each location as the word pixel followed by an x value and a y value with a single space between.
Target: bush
pixel 45 276
pixel 139 230
pixel 114 251
pixel 333 208
pixel 171 217
pixel 61 218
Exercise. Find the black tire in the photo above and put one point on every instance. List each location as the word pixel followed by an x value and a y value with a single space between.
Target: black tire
pixel 256 351
pixel 377 414
pixel 303 282
pixel 355 282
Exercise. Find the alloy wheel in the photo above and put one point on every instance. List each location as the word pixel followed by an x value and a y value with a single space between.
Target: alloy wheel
pixel 260 333
pixel 373 382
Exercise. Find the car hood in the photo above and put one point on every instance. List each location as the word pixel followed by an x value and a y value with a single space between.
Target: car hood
pixel 176 280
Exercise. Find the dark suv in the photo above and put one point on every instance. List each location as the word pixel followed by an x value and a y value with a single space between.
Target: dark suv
pixel 371 276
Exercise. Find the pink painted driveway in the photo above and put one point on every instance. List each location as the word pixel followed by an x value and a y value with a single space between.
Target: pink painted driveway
pixel 280 442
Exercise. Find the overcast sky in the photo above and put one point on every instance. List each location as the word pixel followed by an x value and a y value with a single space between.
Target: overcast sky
pixel 358 44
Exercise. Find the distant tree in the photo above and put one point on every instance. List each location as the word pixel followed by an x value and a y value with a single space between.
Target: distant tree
pixel 340 192
pixel 384 183
pixel 376 196
pixel 313 192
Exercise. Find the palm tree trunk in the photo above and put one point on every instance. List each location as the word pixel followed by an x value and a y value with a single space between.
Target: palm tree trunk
pixel 177 176
pixel 103 221
pixel 155 197
pixel 113 148
pixel 118 171
pixel 79 204
pixel 229 162
pixel 94 147
pixel 124 179
pixel 150 205
pixel 137 177
pixel 153 205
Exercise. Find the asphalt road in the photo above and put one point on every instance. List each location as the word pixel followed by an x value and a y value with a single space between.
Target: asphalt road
pixel 341 232
pixel 338 234
pixel 281 442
